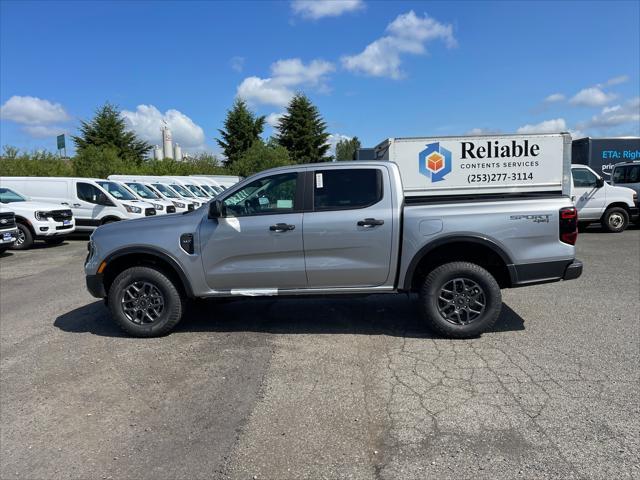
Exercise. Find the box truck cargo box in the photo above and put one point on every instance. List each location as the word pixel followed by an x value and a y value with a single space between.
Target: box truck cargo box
pixel 602 154
pixel 478 165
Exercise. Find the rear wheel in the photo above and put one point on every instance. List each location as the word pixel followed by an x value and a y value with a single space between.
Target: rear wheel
pixel 615 220
pixel 144 302
pixel 460 300
pixel 24 239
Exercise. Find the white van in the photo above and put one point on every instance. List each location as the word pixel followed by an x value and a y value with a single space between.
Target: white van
pixel 225 181
pixel 166 192
pixel 597 201
pixel 175 186
pixel 209 183
pixel 93 202
pixel 36 220
pixel 142 192
pixel 192 186
pixel 198 182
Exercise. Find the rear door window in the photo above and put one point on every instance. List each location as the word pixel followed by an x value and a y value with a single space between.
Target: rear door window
pixel 346 189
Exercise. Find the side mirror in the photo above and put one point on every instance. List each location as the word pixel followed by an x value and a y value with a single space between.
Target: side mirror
pixel 600 182
pixel 215 209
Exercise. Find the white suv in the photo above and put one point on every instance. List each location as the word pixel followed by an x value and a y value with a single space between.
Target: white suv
pixel 37 220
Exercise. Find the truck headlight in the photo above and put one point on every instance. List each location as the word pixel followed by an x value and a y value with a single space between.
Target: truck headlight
pixel 178 204
pixel 157 206
pixel 41 215
pixel 132 209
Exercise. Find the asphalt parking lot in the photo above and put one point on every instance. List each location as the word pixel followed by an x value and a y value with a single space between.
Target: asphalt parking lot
pixel 322 388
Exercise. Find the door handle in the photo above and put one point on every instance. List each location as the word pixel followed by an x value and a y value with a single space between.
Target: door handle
pixel 64 203
pixel 76 205
pixel 281 227
pixel 370 223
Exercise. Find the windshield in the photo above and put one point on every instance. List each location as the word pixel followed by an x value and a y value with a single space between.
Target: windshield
pixel 142 191
pixel 9 196
pixel 182 191
pixel 209 190
pixel 117 191
pixel 196 191
pixel 164 190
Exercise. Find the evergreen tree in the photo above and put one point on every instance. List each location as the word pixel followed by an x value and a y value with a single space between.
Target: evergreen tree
pixel 346 149
pixel 261 156
pixel 241 129
pixel 107 129
pixel 302 132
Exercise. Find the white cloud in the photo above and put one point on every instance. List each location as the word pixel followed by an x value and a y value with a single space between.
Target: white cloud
pixel 237 63
pixel 483 131
pixel 592 97
pixel 273 119
pixel 554 97
pixel 548 126
pixel 407 34
pixel 316 9
pixel 332 141
pixel 615 81
pixel 286 75
pixel 32 111
pixel 147 120
pixel 43 131
pixel 629 112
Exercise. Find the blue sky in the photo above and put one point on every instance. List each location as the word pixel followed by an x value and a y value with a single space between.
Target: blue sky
pixel 374 69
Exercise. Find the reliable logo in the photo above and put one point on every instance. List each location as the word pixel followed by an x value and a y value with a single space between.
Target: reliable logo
pixel 434 162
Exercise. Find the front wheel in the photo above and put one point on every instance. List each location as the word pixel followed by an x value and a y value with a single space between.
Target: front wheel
pixel 144 302
pixel 24 239
pixel 460 300
pixel 615 220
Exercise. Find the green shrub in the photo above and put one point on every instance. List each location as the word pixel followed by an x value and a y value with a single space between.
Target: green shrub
pixel 100 162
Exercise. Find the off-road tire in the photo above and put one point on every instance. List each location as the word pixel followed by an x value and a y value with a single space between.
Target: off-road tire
pixel 27 238
pixel 615 220
pixel 173 302
pixel 432 287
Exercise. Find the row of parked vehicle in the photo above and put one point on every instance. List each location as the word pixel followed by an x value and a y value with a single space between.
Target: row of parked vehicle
pixel 50 208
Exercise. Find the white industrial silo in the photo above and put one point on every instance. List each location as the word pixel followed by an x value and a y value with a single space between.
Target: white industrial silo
pixel 177 152
pixel 157 152
pixel 166 142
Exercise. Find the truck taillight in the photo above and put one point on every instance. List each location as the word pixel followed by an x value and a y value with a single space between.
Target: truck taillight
pixel 568 225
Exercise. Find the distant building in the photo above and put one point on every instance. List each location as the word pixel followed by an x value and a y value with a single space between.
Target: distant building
pixel 168 149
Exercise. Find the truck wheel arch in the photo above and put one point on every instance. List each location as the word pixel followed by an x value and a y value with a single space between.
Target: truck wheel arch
pixel 480 250
pixel 109 219
pixel 26 223
pixel 616 204
pixel 145 256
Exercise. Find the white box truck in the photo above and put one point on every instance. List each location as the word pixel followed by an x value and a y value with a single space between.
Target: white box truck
pixel 488 164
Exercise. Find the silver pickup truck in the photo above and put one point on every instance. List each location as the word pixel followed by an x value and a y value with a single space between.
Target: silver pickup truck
pixel 334 228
